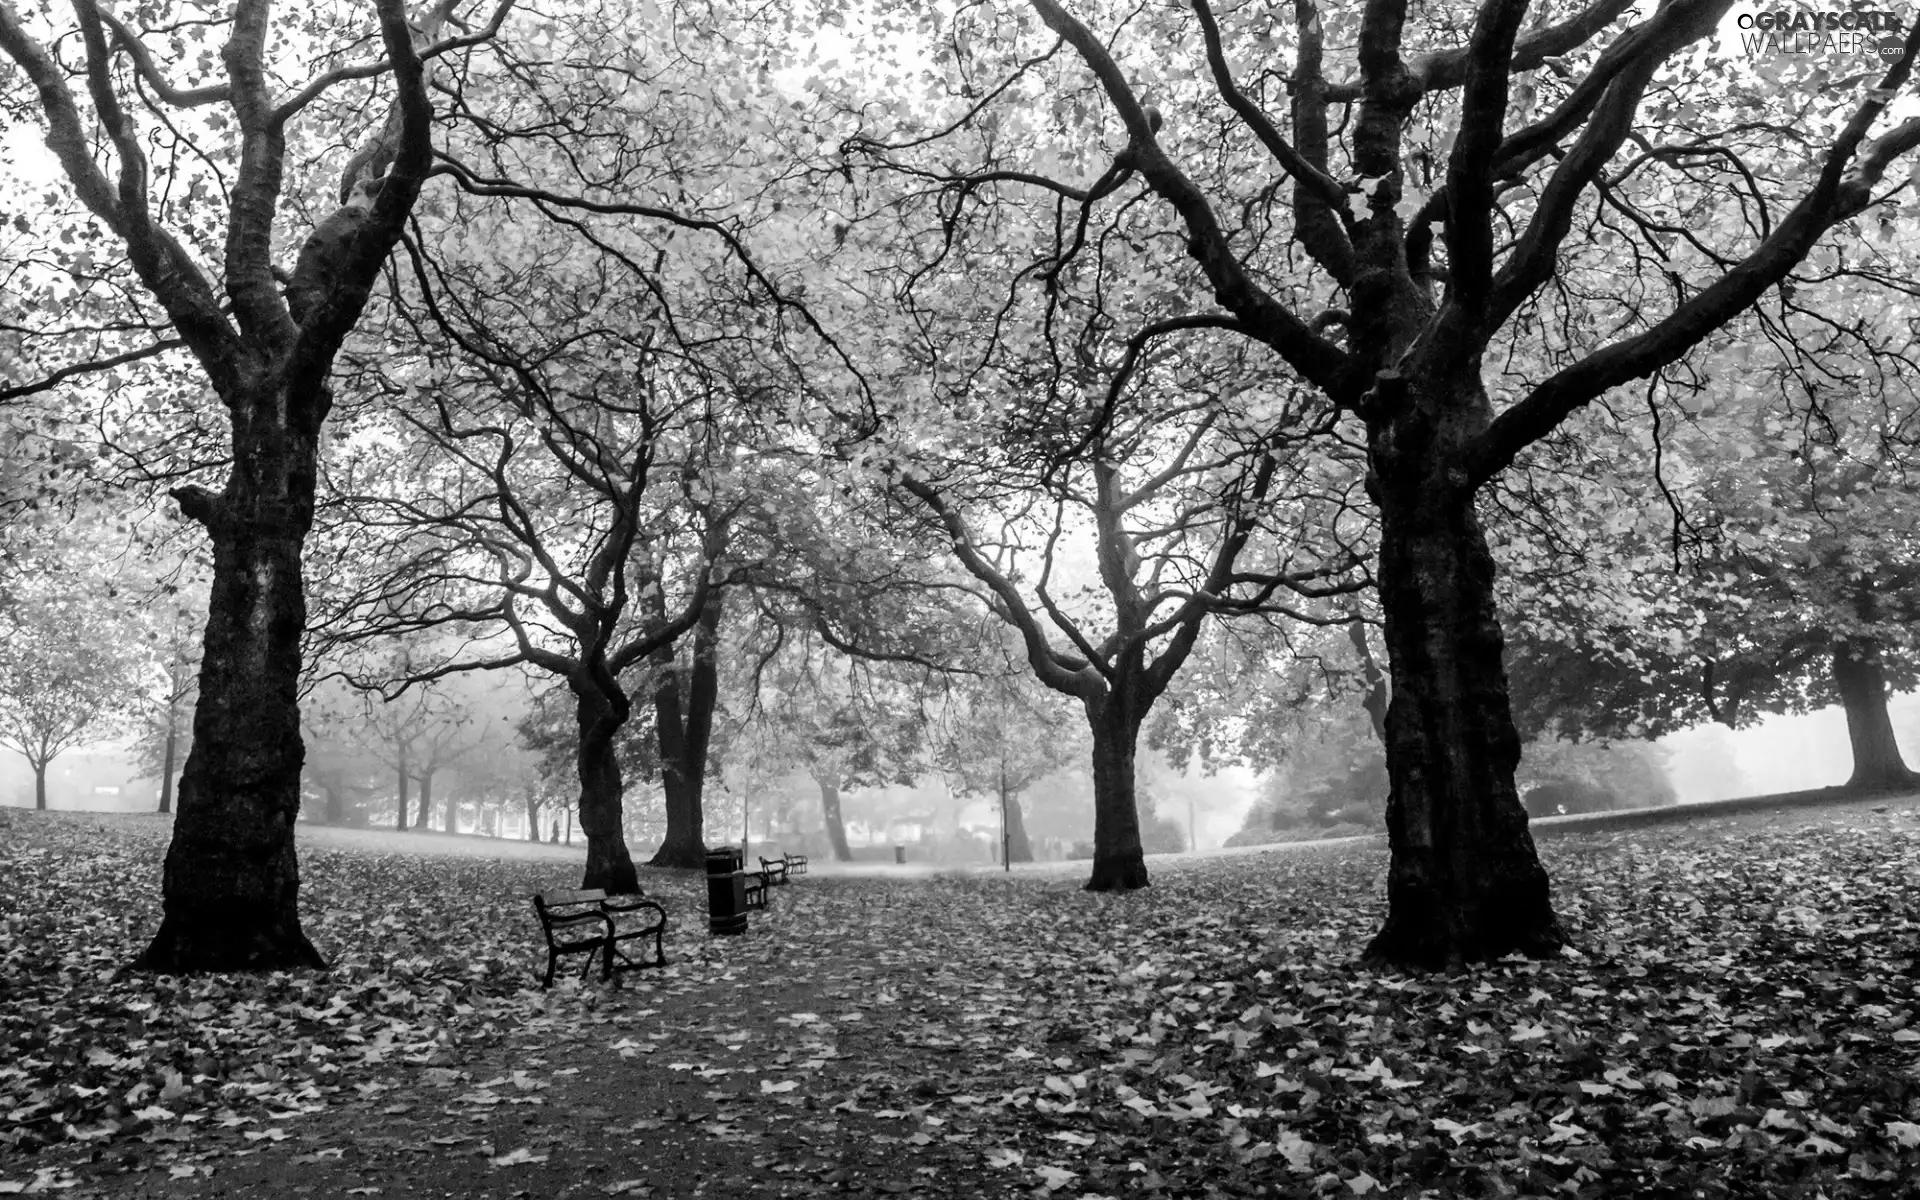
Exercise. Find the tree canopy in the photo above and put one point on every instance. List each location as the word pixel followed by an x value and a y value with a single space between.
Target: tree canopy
pixel 1499 368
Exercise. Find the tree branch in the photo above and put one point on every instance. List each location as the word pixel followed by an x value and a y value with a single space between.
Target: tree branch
pixel 404 142
pixel 317 87
pixel 1470 179
pixel 162 264
pixel 1321 220
pixel 1441 70
pixel 1321 198
pixel 1837 194
pixel 1319 361
pixel 255 295
pixel 1056 670
pixel 1535 258
pixel 144 66
pixel 48 382
pixel 199 504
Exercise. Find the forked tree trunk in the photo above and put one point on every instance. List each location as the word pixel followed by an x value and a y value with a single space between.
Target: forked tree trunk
pixel 1861 679
pixel 836 828
pixel 600 716
pixel 1119 862
pixel 1465 882
pixel 231 884
pixel 683 728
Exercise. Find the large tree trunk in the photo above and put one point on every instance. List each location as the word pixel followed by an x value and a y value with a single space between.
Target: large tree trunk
pixel 1119 862
pixel 601 710
pixel 1861 679
pixel 425 823
pixel 40 786
pixel 1465 882
pixel 231 884
pixel 533 817
pixel 836 828
pixel 683 731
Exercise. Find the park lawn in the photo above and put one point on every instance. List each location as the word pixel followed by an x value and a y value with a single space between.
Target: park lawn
pixel 1739 1020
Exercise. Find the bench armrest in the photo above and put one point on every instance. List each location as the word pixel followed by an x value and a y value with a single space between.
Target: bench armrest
pixel 640 908
pixel 619 904
pixel 559 920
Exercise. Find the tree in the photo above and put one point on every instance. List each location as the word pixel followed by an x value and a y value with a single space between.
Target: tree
pixel 683 710
pixel 540 525
pixel 341 767
pixel 1562 776
pixel 997 738
pixel 551 735
pixel 1173 498
pixel 171 725
pixel 1539 153
pixel 592 392
pixel 170 614
pixel 443 743
pixel 347 718
pixel 64 675
pixel 1777 571
pixel 843 722
pixel 231 881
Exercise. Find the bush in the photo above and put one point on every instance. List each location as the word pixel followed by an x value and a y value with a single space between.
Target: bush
pixel 1560 797
pixel 1162 835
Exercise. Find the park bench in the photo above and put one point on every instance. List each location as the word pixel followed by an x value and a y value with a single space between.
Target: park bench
pixel 588 921
pixel 777 870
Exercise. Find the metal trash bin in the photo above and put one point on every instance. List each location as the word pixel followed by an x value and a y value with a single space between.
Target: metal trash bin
pixel 726 891
pixel 899 854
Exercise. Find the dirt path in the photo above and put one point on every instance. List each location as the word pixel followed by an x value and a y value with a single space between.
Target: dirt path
pixel 852 1071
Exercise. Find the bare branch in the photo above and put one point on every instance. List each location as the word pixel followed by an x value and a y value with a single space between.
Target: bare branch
pixel 46 383
pixel 1442 70
pixel 1062 673
pixel 1533 260
pixel 1318 360
pixel 1838 193
pixel 144 66
pixel 1326 240
pixel 163 265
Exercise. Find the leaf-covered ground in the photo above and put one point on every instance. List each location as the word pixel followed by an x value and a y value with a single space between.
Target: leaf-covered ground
pixel 1740 1021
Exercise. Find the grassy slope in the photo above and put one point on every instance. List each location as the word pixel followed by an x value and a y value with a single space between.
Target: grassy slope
pixel 1740 1020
